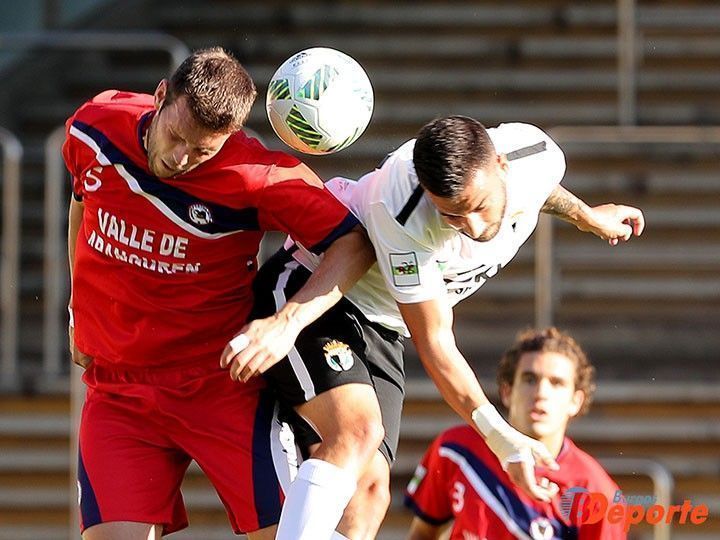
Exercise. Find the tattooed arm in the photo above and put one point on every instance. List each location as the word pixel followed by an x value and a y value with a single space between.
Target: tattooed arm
pixel 611 222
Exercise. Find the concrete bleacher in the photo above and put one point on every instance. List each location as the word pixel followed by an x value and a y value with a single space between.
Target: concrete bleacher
pixel 550 63
pixel 674 424
pixel 647 312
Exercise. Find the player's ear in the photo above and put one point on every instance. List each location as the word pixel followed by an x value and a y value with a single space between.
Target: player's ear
pixel 502 162
pixel 576 403
pixel 505 390
pixel 160 94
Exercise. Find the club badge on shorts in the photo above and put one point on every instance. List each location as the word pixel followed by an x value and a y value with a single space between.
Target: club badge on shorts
pixel 338 355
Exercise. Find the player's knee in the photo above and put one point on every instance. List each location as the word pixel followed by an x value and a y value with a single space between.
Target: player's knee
pixel 366 436
pixel 362 437
pixel 378 496
pixel 375 484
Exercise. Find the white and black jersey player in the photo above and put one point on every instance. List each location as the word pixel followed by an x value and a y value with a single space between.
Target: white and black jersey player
pixel 444 213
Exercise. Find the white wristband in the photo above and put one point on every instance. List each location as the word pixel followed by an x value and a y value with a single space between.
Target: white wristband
pixel 239 343
pixel 506 442
pixel 488 419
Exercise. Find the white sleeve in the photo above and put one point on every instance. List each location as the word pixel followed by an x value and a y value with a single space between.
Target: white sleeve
pixel 410 270
pixel 534 156
pixel 553 165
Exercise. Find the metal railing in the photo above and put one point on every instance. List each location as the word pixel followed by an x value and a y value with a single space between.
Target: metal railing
pixel 10 264
pixel 546 295
pixel 662 480
pixel 54 256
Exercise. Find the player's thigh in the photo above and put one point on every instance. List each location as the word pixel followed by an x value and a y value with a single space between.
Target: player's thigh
pixel 325 371
pixel 348 411
pixel 128 468
pixel 239 443
pixel 384 358
pixel 327 382
pixel 123 530
pixel 268 533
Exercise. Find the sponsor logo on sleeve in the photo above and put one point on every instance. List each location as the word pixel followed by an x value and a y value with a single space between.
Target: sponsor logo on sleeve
pixel 405 271
pixel 420 473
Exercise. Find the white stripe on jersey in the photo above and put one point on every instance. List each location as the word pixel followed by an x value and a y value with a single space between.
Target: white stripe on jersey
pixel 484 492
pixel 301 372
pixel 135 188
pixel 75 132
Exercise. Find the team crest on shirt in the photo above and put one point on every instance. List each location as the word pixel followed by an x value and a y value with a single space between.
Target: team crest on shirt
pixel 405 271
pixel 338 355
pixel 541 529
pixel 200 214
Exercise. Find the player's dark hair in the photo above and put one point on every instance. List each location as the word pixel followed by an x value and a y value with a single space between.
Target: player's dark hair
pixel 219 91
pixel 448 151
pixel 549 340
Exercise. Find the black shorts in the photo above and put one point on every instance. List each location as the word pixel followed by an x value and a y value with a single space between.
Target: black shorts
pixel 341 347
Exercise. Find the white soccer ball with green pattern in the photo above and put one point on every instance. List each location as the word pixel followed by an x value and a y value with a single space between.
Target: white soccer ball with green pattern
pixel 319 101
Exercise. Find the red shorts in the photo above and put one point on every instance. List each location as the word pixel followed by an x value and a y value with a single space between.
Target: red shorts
pixel 140 429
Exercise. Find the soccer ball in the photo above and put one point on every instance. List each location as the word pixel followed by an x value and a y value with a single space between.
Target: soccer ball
pixel 319 101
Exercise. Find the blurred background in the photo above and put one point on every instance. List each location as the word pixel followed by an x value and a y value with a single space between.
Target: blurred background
pixel 629 89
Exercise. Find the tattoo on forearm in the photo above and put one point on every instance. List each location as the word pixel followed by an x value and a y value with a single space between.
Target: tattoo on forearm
pixel 563 204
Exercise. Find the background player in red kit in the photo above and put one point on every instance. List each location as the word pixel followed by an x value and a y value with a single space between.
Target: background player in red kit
pixel 545 379
pixel 170 201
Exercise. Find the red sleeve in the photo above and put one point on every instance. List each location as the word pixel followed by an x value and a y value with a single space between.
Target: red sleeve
pixel 71 152
pixel 296 202
pixel 428 494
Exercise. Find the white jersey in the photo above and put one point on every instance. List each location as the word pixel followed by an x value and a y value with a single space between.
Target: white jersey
pixel 420 257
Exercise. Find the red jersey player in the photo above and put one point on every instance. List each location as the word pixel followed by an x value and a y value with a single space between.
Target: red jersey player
pixel 545 379
pixel 170 201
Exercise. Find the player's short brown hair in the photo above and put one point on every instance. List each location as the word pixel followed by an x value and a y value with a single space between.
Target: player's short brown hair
pixel 219 91
pixel 549 340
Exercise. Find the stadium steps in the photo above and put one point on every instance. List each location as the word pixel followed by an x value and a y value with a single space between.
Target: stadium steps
pixel 672 423
pixel 493 64
pixel 544 62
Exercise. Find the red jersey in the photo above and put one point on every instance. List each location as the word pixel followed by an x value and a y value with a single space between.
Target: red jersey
pixel 460 478
pixel 163 267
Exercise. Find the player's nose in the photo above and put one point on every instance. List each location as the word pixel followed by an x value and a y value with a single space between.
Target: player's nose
pixel 180 156
pixel 542 389
pixel 474 226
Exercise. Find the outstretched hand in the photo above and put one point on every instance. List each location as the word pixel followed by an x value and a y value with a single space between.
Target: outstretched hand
pixel 258 346
pixel 517 452
pixel 521 470
pixel 615 222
